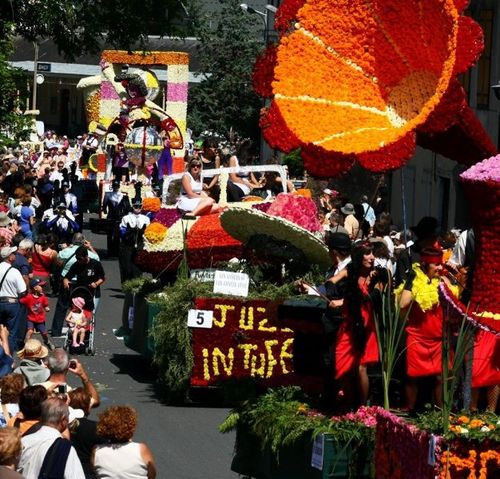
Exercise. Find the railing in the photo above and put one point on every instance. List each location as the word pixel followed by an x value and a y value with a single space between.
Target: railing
pixel 280 169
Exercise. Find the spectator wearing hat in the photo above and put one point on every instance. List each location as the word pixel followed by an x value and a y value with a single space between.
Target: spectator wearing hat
pixel 12 286
pixel 132 228
pixel 66 258
pixel 10 452
pixel 115 205
pixel 426 233
pixel 37 306
pixel 32 365
pixel 351 224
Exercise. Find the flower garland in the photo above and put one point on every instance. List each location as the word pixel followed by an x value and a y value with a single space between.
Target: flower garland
pixel 167 216
pixel 145 58
pixel 360 78
pixel 424 292
pixel 155 232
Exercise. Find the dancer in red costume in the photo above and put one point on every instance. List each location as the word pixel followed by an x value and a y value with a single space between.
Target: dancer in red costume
pixel 356 344
pixel 425 323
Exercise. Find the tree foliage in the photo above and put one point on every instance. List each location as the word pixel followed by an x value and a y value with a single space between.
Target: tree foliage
pixel 14 126
pixel 81 26
pixel 229 42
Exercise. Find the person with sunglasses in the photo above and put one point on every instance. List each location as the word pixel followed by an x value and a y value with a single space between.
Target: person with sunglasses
pixel 192 198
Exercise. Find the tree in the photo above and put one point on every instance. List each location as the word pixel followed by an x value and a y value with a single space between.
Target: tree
pixel 81 26
pixel 14 126
pixel 229 43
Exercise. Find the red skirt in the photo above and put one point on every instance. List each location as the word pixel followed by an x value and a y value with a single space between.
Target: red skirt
pixel 424 342
pixel 486 360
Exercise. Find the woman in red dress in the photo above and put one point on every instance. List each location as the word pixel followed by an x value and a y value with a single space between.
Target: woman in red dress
pixel 424 331
pixel 356 345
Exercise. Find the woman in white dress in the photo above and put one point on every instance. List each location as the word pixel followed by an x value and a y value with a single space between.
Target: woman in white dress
pixel 192 198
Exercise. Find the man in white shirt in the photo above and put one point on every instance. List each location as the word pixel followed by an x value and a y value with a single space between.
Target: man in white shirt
pixel 12 286
pixel 54 419
pixel 369 212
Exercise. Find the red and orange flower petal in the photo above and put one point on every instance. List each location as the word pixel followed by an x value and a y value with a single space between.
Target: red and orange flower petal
pixel 389 157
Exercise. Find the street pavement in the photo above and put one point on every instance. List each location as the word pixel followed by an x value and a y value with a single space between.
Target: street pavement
pixel 184 440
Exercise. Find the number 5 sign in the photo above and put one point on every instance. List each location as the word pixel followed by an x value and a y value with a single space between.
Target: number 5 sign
pixel 200 318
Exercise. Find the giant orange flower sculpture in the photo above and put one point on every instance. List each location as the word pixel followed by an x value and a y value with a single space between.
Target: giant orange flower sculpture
pixel 356 80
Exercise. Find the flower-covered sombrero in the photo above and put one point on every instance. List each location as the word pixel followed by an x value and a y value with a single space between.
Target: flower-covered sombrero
pixel 482 185
pixel 244 224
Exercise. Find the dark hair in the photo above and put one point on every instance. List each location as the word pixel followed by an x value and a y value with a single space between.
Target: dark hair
pixel 381 228
pixel 30 401
pixel 209 143
pixel 246 152
pixel 354 296
pixel 81 252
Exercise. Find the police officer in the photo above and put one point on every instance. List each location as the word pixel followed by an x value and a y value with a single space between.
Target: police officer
pixel 132 228
pixel 115 205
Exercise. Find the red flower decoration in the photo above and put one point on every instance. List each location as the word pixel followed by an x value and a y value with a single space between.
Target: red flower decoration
pixel 263 73
pixel 287 14
pixel 275 131
pixel 330 165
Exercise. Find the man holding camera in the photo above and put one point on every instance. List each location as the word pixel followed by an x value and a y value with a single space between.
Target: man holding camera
pixel 59 366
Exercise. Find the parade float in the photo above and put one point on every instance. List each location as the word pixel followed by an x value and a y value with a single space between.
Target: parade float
pixel 348 82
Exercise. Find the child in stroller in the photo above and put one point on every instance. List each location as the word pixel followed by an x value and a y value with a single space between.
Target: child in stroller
pixel 78 320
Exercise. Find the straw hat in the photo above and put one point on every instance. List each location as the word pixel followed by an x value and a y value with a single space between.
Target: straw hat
pixel 33 349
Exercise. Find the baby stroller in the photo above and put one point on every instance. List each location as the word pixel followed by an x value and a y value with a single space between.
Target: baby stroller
pixel 88 346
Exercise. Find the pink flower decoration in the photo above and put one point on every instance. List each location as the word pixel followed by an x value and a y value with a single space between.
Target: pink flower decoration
pixel 297 209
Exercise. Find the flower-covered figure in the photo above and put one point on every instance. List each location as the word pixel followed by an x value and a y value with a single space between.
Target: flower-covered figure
pixel 357 80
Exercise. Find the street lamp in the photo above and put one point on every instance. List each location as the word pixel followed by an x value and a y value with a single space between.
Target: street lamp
pixel 263 15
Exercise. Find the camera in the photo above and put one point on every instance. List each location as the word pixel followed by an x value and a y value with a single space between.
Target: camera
pixel 72 364
pixel 62 389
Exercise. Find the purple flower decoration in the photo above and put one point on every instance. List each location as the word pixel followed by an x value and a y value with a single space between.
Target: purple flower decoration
pixel 167 216
pixel 263 206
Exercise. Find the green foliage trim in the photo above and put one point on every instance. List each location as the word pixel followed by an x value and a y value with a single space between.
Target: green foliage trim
pixel 140 286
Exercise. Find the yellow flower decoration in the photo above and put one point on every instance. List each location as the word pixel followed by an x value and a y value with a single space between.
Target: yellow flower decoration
pixel 155 232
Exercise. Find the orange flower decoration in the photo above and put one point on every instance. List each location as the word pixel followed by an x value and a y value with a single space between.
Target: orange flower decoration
pixel 356 79
pixel 151 204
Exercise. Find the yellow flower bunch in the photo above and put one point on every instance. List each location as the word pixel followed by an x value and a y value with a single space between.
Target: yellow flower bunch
pixel 155 232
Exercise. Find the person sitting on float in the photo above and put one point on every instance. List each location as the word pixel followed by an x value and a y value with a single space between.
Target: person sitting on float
pixel 192 198
pixel 242 183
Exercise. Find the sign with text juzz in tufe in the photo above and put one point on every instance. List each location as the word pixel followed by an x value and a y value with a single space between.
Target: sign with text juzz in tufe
pixel 245 340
